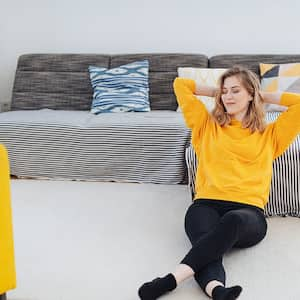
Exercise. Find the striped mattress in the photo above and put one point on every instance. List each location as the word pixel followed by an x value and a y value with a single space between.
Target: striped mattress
pixel 284 198
pixel 142 147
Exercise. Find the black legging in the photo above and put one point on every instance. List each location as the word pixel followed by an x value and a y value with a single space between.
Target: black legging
pixel 214 227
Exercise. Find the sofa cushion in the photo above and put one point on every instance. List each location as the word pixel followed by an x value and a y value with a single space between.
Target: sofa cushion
pixel 280 77
pixel 284 198
pixel 129 147
pixel 121 89
pixel 203 76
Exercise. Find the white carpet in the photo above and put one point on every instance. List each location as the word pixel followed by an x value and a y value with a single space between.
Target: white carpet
pixel 95 240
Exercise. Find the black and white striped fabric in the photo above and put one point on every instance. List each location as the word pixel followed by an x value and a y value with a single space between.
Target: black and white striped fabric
pixel 284 198
pixel 143 147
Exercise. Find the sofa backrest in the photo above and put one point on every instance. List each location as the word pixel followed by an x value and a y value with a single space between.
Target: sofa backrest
pixel 250 61
pixel 61 81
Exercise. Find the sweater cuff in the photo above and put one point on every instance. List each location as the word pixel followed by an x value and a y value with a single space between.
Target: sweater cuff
pixel 288 99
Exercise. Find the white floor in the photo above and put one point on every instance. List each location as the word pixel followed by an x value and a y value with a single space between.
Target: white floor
pixel 95 240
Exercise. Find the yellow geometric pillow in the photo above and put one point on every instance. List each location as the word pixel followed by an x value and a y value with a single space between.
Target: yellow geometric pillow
pixel 280 77
pixel 204 76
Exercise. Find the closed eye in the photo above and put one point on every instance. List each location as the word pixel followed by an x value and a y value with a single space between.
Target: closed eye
pixel 234 91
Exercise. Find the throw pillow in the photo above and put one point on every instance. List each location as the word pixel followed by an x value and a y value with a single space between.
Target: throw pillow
pixel 279 77
pixel 121 89
pixel 203 76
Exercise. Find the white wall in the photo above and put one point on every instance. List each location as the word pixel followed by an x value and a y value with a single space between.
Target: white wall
pixel 132 26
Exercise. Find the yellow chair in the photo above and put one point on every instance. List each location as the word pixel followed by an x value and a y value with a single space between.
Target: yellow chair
pixel 7 260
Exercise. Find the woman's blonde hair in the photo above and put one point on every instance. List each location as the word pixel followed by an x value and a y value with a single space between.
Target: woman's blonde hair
pixel 255 115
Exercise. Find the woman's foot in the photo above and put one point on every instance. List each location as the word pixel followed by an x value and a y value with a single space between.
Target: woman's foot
pixel 222 293
pixel 157 287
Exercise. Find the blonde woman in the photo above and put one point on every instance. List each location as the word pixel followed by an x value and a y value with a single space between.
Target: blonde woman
pixel 235 149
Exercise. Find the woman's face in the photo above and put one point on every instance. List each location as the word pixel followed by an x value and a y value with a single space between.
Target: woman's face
pixel 235 97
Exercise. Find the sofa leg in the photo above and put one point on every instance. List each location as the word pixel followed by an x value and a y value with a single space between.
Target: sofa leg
pixel 3 297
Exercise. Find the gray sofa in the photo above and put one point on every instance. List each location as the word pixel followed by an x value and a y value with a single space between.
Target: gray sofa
pixel 50 132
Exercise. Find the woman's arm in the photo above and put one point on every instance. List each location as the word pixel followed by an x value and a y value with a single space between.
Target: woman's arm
pixel 287 125
pixel 193 109
pixel 204 90
pixel 269 97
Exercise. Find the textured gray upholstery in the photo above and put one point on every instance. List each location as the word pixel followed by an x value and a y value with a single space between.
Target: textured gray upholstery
pixel 250 61
pixel 61 81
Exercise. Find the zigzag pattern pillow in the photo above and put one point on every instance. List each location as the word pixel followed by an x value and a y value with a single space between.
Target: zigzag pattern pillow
pixel 121 89
pixel 279 77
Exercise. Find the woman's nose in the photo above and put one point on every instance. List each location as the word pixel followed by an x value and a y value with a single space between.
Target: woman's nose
pixel 228 95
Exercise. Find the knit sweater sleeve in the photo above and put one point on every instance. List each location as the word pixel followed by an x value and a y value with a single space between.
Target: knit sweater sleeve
pixel 287 126
pixel 194 111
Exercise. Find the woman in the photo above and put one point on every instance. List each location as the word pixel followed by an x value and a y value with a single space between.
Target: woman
pixel 235 149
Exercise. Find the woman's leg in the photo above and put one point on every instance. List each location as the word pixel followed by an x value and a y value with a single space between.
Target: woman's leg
pixel 243 227
pixel 254 227
pixel 199 220
pixel 212 275
pixel 240 227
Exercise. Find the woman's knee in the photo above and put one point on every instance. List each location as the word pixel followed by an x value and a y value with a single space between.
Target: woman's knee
pixel 232 219
pixel 234 224
pixel 250 227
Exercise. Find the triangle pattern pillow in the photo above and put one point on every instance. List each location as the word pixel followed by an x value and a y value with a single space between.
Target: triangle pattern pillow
pixel 204 76
pixel 121 89
pixel 279 77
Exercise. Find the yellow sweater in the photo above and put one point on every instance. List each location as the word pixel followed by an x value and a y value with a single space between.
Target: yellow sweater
pixel 233 164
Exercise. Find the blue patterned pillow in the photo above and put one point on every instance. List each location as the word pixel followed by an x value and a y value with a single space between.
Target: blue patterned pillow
pixel 121 89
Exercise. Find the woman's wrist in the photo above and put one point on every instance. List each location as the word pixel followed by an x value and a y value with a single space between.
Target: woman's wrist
pixel 204 90
pixel 271 97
